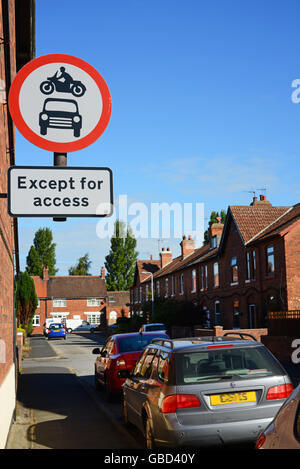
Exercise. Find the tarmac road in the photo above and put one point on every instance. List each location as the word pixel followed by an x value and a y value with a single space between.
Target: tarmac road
pixel 57 405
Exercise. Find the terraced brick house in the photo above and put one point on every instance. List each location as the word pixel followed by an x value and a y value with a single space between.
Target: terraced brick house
pixel 77 297
pixel 250 267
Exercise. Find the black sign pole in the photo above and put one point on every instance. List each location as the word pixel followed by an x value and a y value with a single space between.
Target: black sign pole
pixel 60 159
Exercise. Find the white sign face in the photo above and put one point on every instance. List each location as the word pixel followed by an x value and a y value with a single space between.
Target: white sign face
pixel 52 110
pixel 60 103
pixel 59 192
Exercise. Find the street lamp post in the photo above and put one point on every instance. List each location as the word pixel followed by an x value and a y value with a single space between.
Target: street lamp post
pixel 152 293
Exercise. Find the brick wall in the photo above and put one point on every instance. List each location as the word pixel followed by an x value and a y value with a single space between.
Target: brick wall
pixel 6 222
pixel 292 255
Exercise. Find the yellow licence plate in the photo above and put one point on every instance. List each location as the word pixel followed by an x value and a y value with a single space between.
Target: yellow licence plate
pixel 57 330
pixel 233 398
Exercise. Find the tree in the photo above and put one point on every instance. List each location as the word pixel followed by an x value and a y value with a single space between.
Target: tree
pixel 25 300
pixel 213 219
pixel 42 253
pixel 121 259
pixel 82 267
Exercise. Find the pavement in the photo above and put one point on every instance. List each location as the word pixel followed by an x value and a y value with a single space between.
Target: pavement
pixel 55 410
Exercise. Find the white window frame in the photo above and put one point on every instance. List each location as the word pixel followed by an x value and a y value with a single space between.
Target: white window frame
pixel 194 280
pixel 206 277
pixel 36 320
pixel 166 287
pixel 172 285
pixel 93 302
pixel 59 303
pixel 216 274
pixel 181 284
pixel 90 315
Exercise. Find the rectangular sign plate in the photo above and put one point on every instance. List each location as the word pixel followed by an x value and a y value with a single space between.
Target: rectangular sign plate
pixel 48 191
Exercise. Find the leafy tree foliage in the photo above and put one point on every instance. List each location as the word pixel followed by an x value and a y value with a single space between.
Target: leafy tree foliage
pixel 121 259
pixel 42 253
pixel 213 219
pixel 25 300
pixel 82 267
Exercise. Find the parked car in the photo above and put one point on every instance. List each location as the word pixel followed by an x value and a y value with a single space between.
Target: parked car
pixel 56 331
pixel 155 326
pixel 284 431
pixel 119 355
pixel 85 327
pixel 204 391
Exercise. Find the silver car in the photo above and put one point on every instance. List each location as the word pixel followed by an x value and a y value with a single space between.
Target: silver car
pixel 284 431
pixel 204 391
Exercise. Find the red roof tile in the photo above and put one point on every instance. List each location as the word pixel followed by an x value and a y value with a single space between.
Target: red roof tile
pixel 252 220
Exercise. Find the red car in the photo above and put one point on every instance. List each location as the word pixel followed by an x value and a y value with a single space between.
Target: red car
pixel 120 353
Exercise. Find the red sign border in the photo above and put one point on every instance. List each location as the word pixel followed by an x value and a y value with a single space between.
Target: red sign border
pixel 63 147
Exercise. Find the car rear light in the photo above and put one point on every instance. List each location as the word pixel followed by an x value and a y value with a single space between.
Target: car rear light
pixel 64 330
pixel 179 401
pixel 280 392
pixel 260 441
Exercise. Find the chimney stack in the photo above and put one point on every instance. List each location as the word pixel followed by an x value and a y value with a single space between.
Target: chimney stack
pixel 165 257
pixel 187 246
pixel 45 272
pixel 102 275
pixel 262 201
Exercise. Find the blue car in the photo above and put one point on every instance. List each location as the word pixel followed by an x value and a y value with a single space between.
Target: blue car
pixel 57 331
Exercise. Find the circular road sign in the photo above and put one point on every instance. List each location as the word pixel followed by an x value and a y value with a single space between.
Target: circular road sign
pixel 60 103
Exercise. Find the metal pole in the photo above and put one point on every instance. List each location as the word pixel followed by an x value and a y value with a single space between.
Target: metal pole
pixel 60 159
pixel 152 296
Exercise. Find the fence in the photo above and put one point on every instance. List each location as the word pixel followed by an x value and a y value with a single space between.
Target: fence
pixel 216 331
pixel 284 323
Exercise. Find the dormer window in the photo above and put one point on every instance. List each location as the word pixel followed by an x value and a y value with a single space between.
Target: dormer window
pixel 214 242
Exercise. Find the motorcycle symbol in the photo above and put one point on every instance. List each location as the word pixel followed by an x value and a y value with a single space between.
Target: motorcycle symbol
pixel 68 85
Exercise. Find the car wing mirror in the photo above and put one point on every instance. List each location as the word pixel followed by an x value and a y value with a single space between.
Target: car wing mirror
pixel 124 374
pixel 96 351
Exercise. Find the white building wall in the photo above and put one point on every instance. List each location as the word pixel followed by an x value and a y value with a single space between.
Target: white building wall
pixel 7 404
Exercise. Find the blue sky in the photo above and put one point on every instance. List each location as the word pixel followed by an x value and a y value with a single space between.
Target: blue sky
pixel 201 106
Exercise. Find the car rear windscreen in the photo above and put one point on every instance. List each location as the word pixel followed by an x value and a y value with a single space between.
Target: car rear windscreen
pixel 232 363
pixel 157 327
pixel 136 343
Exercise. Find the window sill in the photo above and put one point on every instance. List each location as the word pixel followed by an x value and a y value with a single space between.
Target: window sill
pixel 193 291
pixel 233 284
